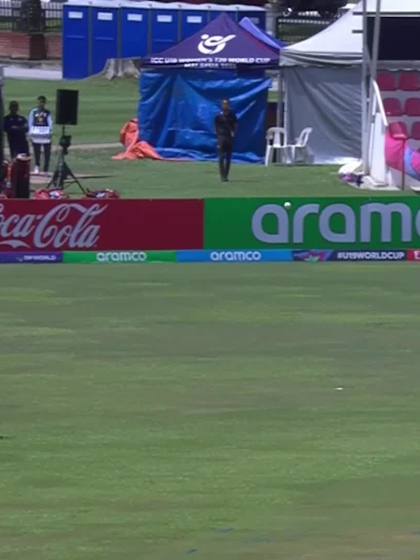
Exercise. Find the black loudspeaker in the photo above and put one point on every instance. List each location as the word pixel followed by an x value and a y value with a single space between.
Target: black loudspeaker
pixel 67 104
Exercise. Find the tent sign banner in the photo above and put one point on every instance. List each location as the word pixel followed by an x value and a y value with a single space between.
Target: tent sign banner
pixel 222 43
pixel 205 62
pixel 304 223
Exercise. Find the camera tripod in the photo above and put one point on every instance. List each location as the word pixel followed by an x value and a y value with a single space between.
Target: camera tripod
pixel 63 176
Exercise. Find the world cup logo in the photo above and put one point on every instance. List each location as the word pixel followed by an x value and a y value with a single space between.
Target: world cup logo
pixel 213 44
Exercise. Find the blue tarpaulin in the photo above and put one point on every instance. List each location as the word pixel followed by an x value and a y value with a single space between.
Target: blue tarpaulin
pixel 181 97
pixel 178 108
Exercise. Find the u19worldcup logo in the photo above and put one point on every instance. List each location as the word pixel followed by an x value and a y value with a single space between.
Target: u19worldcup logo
pixel 213 44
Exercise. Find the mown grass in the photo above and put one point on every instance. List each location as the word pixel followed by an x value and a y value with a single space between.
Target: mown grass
pixel 148 179
pixel 171 412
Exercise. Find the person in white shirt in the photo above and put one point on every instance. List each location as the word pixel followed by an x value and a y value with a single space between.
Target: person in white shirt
pixel 40 133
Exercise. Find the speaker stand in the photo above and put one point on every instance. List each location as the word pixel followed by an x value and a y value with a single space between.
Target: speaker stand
pixel 63 176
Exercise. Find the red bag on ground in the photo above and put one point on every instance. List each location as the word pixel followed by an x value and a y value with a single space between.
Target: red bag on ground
pixel 105 193
pixel 54 194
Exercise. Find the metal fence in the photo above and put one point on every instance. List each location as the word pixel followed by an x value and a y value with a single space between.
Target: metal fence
pixel 30 17
pixel 298 28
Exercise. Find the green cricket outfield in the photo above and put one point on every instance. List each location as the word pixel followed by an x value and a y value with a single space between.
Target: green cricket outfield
pixel 230 412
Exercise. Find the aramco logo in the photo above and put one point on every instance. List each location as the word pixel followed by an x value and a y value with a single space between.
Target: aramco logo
pixel 213 44
pixel 380 221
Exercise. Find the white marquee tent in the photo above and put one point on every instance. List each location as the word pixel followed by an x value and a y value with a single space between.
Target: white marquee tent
pixel 322 80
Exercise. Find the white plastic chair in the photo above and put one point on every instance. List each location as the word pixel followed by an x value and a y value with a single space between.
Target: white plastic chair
pixel 299 151
pixel 275 137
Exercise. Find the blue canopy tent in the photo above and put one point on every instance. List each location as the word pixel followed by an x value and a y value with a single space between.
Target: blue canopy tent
pixel 182 87
pixel 247 24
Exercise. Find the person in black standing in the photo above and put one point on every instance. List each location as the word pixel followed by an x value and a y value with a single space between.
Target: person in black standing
pixel 226 124
pixel 16 127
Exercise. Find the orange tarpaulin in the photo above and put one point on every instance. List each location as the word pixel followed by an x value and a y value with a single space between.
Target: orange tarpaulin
pixel 135 148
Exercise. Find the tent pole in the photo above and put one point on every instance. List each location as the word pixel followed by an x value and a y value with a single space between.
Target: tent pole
pixel 285 114
pixel 376 36
pixel 373 73
pixel 279 98
pixel 364 90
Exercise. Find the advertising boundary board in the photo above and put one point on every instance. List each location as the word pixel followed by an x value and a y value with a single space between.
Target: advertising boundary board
pixel 119 257
pixel 211 257
pixel 235 230
pixel 31 258
pixel 336 224
pixel 237 256
pixel 350 256
pixel 101 225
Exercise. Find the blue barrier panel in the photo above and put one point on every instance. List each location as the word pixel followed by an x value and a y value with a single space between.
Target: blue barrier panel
pixel 134 32
pixel 76 51
pixel 192 21
pixel 165 29
pixel 104 37
pixel 31 258
pixel 241 256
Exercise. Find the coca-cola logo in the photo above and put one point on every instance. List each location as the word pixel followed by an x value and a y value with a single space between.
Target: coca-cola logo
pixel 69 224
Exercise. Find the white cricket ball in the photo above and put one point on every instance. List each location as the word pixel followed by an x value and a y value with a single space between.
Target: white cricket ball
pixel 287 205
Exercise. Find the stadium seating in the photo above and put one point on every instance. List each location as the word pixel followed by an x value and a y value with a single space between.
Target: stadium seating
pixel 409 81
pixel 400 92
pixel 415 131
pixel 388 81
pixel 412 107
pixel 414 139
pixel 393 107
pixel 402 106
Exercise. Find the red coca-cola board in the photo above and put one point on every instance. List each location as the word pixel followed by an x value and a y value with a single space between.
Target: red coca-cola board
pixel 90 225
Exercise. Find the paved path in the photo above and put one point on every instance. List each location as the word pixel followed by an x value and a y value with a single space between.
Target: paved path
pixel 22 73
